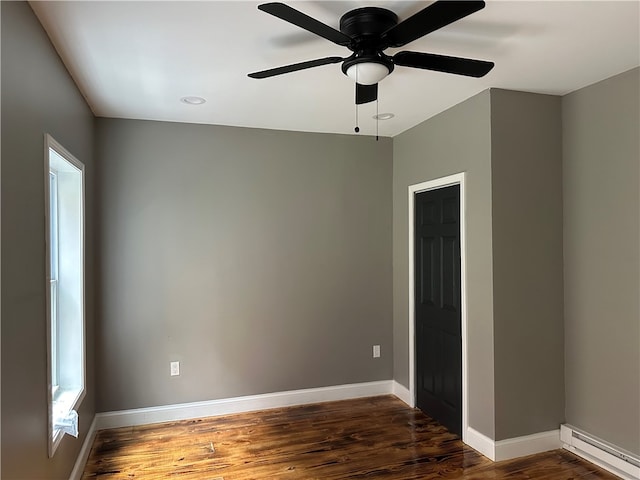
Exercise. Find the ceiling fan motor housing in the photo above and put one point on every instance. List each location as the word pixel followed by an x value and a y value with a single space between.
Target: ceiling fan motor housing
pixel 366 23
pixel 365 26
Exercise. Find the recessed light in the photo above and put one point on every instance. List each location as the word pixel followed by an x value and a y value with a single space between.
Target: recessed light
pixel 193 100
pixel 384 116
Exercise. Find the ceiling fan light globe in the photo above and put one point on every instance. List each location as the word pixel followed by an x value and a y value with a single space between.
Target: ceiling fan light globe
pixel 367 73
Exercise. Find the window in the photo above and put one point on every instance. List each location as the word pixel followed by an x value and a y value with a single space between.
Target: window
pixel 64 197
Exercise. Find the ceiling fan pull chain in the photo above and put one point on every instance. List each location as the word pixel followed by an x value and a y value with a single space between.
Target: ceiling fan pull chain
pixel 357 129
pixel 377 120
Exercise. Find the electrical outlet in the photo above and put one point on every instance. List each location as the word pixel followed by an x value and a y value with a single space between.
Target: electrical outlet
pixel 376 351
pixel 175 368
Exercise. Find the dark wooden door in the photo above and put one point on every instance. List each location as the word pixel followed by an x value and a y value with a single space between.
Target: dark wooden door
pixel 437 306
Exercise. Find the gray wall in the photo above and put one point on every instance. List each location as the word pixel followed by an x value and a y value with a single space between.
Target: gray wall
pixel 38 96
pixel 601 259
pixel 261 260
pixel 526 208
pixel 457 140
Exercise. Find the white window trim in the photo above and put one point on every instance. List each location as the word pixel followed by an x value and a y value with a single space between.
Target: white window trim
pixel 54 438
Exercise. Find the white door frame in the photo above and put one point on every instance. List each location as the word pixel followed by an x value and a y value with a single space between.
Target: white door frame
pixel 456 179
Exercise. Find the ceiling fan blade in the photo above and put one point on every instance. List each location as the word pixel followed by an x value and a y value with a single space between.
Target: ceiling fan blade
pixel 366 93
pixel 294 67
pixel 429 19
pixel 442 63
pixel 312 25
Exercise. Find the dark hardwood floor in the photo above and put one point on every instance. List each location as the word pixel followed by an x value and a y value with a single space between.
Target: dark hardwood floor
pixel 371 438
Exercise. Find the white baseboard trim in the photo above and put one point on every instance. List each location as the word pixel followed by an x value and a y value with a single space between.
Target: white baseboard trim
pixel 512 447
pixel 601 453
pixel 402 393
pixel 481 443
pixel 83 455
pixel 226 406
pixel 527 445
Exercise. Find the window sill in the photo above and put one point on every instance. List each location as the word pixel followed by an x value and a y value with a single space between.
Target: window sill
pixel 66 399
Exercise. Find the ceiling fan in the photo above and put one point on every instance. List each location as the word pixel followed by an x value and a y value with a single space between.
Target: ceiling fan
pixel 368 31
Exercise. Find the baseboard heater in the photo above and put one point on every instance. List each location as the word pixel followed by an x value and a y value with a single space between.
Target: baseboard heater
pixel 619 462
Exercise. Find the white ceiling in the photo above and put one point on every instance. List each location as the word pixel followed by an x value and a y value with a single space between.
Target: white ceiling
pixel 137 59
